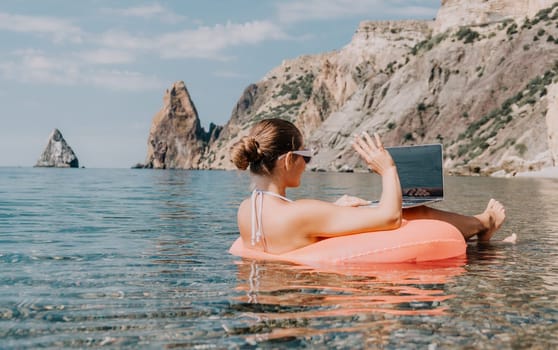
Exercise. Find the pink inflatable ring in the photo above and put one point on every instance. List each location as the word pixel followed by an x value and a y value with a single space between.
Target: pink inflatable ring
pixel 414 241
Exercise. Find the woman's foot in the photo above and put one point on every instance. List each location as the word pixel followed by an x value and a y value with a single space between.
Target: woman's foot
pixel 510 239
pixel 492 219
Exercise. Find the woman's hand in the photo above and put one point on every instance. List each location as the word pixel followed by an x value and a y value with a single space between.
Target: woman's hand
pixel 350 201
pixel 374 154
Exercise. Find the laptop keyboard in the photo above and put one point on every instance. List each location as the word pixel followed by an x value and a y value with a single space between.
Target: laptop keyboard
pixel 409 202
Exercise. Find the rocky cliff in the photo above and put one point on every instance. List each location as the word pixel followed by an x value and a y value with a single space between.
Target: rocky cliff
pixel 552 123
pixel 456 13
pixel 176 139
pixel 483 85
pixel 58 153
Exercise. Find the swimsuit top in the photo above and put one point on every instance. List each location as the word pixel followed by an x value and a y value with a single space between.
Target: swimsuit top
pixel 257 206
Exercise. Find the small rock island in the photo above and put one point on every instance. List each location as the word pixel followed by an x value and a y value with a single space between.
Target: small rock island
pixel 57 154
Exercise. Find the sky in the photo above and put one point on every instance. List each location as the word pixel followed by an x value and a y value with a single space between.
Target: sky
pixel 97 69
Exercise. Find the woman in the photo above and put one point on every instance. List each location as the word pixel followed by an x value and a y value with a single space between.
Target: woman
pixel 268 221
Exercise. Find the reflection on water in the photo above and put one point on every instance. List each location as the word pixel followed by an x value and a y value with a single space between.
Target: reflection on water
pixel 397 286
pixel 274 295
pixel 138 259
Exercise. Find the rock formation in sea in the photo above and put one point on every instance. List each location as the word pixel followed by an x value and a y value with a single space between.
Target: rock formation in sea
pixel 58 153
pixel 176 139
pixel 483 85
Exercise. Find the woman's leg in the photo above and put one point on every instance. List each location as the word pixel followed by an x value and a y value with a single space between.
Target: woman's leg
pixel 482 225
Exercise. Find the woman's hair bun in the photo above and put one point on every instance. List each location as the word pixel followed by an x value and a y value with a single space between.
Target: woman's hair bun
pixel 246 151
pixel 253 151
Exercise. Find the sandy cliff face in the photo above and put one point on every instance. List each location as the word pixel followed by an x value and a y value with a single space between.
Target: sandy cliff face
pixel 479 91
pixel 486 92
pixel 280 94
pixel 456 13
pixel 309 89
pixel 375 47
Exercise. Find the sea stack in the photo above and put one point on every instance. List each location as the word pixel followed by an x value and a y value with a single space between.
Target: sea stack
pixel 176 139
pixel 57 154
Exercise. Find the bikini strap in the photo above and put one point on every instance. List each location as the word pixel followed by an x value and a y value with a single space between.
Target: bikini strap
pixel 256 199
pixel 273 194
pixel 257 206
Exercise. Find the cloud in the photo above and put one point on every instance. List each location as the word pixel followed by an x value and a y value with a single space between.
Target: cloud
pixel 203 42
pixel 100 59
pixel 59 30
pixel 122 40
pixel 105 56
pixel 154 11
pixel 299 11
pixel 123 80
pixel 36 67
pixel 210 42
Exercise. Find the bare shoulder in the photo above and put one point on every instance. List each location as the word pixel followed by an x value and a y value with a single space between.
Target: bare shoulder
pixel 243 219
pixel 245 203
pixel 306 213
pixel 243 209
pixel 312 205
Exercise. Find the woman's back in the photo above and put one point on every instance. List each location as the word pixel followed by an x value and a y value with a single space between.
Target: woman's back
pixel 276 220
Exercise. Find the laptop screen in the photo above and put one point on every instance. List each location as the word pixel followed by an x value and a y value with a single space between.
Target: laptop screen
pixel 420 169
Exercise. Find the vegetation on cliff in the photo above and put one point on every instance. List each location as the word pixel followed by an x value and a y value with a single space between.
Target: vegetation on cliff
pixel 480 89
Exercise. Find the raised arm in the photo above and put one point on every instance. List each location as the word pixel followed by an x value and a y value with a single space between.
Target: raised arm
pixel 323 219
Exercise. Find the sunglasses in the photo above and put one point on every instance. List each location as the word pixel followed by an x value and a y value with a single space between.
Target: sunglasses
pixel 306 154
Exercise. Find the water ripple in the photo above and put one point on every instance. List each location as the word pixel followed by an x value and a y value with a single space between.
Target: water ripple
pixel 133 259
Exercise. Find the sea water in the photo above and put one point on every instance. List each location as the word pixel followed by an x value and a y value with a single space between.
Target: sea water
pixel 123 258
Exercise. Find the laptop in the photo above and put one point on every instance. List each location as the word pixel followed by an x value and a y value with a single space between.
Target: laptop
pixel 421 173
